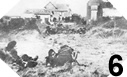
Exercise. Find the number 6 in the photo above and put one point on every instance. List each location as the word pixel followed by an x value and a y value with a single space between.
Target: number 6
pixel 111 65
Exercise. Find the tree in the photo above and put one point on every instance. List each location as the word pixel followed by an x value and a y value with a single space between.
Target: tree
pixel 67 19
pixel 76 18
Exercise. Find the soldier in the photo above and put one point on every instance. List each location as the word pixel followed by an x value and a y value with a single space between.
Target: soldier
pixel 65 49
pixel 24 61
pixel 11 51
pixel 30 62
pixel 65 55
pixel 3 55
pixel 50 57
pixel 27 58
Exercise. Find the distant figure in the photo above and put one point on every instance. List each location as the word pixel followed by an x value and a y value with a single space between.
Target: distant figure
pixel 50 30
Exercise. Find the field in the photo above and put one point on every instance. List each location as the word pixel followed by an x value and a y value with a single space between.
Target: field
pixel 96 47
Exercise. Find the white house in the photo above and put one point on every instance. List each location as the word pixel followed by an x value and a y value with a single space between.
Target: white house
pixel 28 16
pixel 58 11
pixel 50 12
pixel 43 14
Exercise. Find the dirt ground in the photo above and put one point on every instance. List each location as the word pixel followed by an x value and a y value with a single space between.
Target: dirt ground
pixel 94 52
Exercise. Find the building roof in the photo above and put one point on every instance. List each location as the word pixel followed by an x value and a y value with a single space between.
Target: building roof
pixel 94 2
pixel 111 12
pixel 48 9
pixel 38 11
pixel 42 12
pixel 28 15
pixel 62 7
pixel 58 7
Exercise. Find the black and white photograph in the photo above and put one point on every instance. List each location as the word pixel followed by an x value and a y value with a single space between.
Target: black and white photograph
pixel 62 38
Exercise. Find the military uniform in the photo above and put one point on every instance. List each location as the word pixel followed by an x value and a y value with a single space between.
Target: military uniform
pixel 64 55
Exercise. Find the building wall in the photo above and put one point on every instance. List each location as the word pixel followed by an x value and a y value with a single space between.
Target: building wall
pixel 94 15
pixel 100 11
pixel 88 11
pixel 28 16
pixel 94 12
pixel 57 13
pixel 44 17
pixel 61 15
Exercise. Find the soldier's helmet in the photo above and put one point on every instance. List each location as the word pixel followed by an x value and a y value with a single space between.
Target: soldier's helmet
pixel 11 45
pixel 64 46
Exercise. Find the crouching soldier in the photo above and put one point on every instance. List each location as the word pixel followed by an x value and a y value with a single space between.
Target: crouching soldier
pixel 11 51
pixel 65 55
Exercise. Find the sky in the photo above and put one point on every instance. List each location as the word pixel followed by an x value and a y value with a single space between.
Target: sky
pixel 77 6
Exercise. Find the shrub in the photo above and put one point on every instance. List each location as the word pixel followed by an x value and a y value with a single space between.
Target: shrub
pixel 67 19
pixel 76 18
